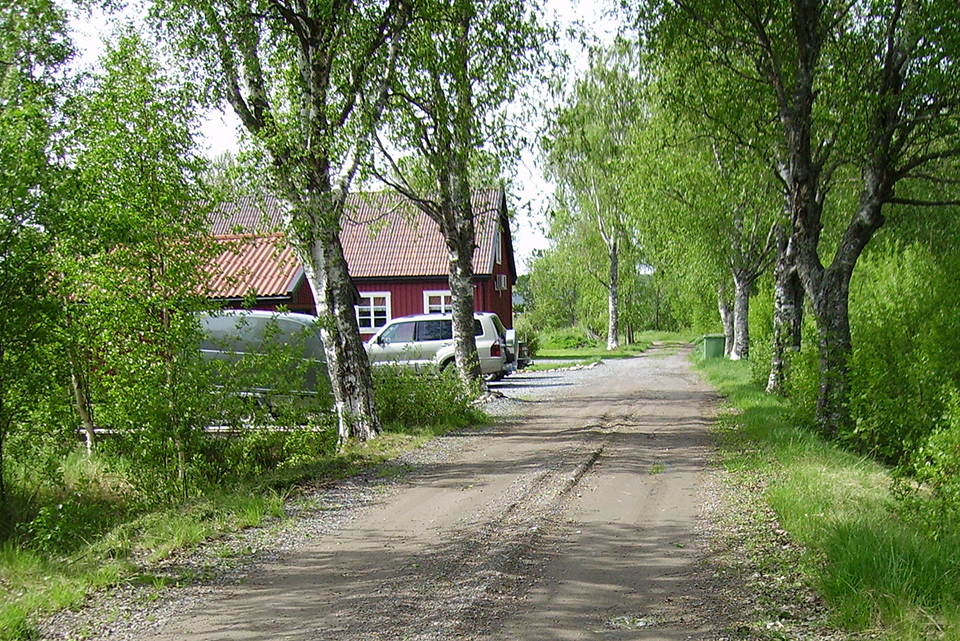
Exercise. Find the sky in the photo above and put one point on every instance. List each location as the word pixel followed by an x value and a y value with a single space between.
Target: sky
pixel 219 130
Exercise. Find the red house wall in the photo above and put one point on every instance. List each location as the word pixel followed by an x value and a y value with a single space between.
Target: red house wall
pixel 406 298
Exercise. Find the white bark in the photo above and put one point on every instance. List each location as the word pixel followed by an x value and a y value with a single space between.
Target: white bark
pixel 326 270
pixel 613 298
pixel 726 318
pixel 740 349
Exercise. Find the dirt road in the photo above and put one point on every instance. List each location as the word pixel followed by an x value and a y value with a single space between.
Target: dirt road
pixel 574 520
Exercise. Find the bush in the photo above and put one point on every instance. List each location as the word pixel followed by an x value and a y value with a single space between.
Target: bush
pixel 92 496
pixel 931 497
pixel 906 338
pixel 527 333
pixel 407 400
pixel 570 338
pixel 256 451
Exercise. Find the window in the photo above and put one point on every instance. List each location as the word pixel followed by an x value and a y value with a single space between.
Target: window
pixel 498 246
pixel 434 330
pixel 373 311
pixel 439 302
pixel 399 333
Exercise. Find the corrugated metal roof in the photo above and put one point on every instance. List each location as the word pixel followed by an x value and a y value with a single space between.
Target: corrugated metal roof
pixel 262 214
pixel 261 265
pixel 384 235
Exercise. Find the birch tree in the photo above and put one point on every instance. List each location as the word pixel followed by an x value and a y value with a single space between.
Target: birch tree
pixel 586 153
pixel 465 61
pixel 308 80
pixel 866 87
pixel 131 261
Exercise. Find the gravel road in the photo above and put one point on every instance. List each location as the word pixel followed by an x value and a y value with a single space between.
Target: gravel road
pixel 587 512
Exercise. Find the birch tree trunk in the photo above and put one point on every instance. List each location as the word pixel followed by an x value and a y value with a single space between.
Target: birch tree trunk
pixel 459 232
pixel 613 296
pixel 833 331
pixel 464 338
pixel 787 312
pixel 81 396
pixel 326 270
pixel 726 317
pixel 742 282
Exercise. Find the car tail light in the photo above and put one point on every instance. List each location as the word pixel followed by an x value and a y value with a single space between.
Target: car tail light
pixel 495 349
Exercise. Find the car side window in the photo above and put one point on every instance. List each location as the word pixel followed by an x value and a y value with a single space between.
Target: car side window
pixel 399 333
pixel 434 330
pixel 477 328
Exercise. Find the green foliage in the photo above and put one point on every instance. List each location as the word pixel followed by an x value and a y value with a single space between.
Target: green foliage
pixel 408 401
pixel 34 49
pixel 906 337
pixel 879 574
pixel 563 290
pixel 250 453
pixel 929 487
pixel 569 338
pixel 527 333
pixel 131 260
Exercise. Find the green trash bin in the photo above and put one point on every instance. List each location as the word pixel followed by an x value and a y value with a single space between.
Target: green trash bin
pixel 713 345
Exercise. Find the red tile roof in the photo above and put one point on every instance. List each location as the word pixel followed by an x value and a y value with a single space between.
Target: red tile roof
pixel 384 235
pixel 247 215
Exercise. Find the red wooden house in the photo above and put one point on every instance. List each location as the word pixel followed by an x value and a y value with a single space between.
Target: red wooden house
pixel 396 255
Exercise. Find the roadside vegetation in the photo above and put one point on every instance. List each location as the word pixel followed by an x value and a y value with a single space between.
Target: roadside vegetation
pixel 867 551
pixel 91 522
pixel 582 345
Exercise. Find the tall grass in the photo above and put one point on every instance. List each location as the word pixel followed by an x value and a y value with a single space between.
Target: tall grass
pixel 879 575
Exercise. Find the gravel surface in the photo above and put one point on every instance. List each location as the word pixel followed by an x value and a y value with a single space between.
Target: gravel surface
pixel 742 590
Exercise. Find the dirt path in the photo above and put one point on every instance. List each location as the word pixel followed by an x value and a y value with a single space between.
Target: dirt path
pixel 575 522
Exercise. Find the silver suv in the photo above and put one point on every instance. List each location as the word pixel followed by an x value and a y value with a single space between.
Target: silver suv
pixel 427 340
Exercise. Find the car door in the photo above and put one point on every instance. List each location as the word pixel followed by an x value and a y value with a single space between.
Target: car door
pixel 395 344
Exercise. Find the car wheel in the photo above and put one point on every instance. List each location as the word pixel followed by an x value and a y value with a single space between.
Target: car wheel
pixel 496 376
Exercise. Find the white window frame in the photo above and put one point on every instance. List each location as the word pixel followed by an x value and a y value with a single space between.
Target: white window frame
pixel 446 301
pixel 369 304
pixel 498 245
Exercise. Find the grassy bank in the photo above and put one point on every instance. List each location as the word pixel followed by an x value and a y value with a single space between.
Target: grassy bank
pixel 36 580
pixel 880 577
pixel 98 528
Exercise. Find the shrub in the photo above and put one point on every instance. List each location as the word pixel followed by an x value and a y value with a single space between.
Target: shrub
pixel 527 333
pixel 408 400
pixel 569 338
pixel 255 451
pixel 929 491
pixel 906 338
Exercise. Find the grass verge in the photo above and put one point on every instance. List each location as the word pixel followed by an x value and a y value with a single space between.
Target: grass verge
pixel 542 366
pixel 36 582
pixel 880 577
pixel 594 352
